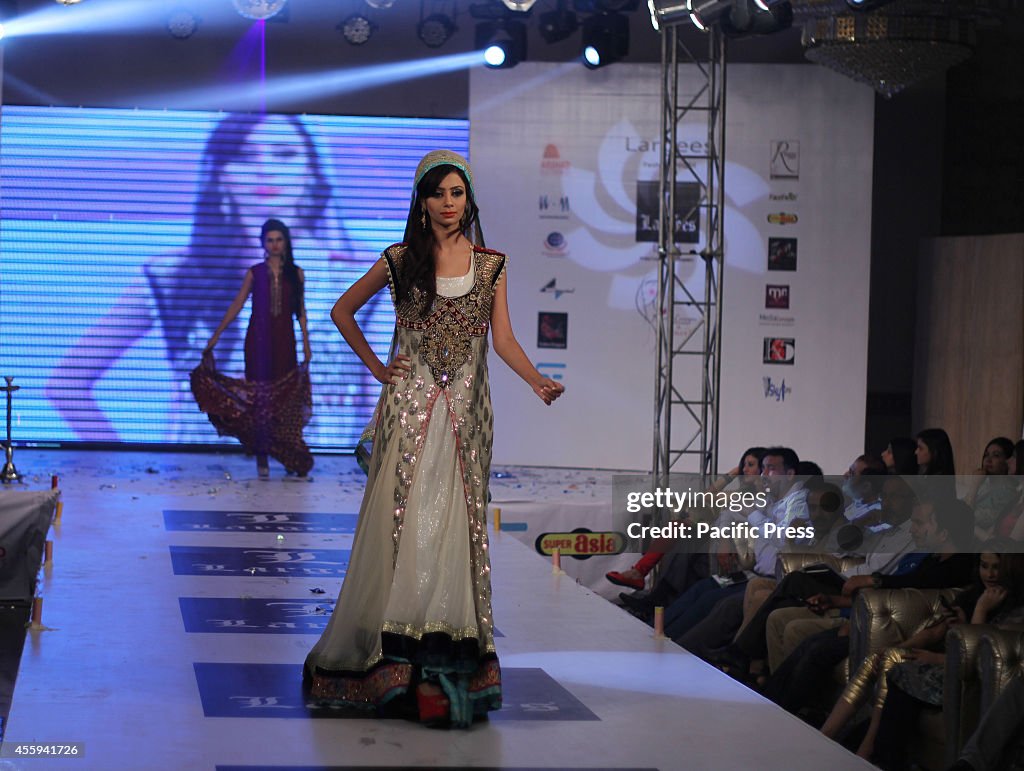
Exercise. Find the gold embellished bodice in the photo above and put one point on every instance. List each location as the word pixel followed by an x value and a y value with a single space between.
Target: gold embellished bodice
pixel 451 323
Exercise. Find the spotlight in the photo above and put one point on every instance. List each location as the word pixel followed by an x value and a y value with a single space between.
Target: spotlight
pixel 380 5
pixel 3 31
pixel 557 25
pixel 746 17
pixel 704 13
pixel 666 13
pixel 356 29
pixel 521 6
pixel 435 30
pixel 182 23
pixel 605 39
pixel 503 43
pixel 257 10
pixel 69 2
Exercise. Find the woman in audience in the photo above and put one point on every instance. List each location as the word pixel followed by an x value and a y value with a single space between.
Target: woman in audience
pixel 899 456
pixel 996 596
pixel 1011 524
pixel 934 455
pixel 991 491
pixel 917 684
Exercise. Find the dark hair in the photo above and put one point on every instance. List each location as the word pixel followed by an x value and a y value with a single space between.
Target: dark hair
pixel 941 451
pixel 757 452
pixel 1018 456
pixel 1004 444
pixel 904 462
pixel 808 468
pixel 420 266
pixel 288 266
pixel 955 517
pixel 871 462
pixel 790 459
pixel 1011 575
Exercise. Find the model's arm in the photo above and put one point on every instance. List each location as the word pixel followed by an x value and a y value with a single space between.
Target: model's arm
pixel 71 382
pixel 508 348
pixel 307 352
pixel 343 314
pixel 233 310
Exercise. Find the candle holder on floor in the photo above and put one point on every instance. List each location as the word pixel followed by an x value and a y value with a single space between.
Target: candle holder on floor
pixel 9 473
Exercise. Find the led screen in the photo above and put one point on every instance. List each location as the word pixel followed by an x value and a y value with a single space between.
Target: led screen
pixel 125 235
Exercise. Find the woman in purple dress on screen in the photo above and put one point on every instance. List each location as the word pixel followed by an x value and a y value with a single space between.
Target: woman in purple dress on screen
pixel 267 410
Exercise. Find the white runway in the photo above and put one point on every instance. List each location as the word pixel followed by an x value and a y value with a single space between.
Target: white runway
pixel 177 615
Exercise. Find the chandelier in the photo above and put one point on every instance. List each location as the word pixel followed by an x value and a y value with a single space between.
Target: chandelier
pixel 896 44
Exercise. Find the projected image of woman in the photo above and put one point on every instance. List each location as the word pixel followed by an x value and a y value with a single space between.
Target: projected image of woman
pixel 412 626
pixel 254 167
pixel 267 411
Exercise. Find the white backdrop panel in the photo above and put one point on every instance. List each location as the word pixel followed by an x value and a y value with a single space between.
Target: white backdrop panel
pixel 559 153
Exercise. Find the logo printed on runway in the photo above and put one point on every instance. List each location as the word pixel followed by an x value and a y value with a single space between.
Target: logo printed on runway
pixel 258 522
pixel 240 561
pixel 275 690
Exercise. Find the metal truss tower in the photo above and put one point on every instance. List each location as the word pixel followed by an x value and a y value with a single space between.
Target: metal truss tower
pixel 689 312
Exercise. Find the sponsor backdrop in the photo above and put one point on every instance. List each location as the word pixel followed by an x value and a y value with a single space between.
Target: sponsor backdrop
pixel 565 160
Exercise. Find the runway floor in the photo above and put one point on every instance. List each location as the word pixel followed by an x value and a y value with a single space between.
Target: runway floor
pixel 184 595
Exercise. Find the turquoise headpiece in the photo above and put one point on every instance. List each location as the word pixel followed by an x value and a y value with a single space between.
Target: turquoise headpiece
pixel 437 158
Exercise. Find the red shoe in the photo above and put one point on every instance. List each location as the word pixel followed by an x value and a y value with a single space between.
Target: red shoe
pixel 620 579
pixel 434 708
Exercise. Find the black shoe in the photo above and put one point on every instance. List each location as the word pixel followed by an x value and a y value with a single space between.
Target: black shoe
pixel 639 602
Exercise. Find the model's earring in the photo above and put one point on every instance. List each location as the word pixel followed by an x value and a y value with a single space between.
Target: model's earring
pixel 423 218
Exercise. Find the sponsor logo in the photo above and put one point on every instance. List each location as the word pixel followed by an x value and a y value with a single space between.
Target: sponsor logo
pixel 776 391
pixel 781 254
pixel 775 320
pixel 555 245
pixel 552 162
pixel 551 369
pixel 779 350
pixel 782 218
pixel 552 288
pixel 553 207
pixel 580 543
pixel 686 225
pixel 782 196
pixel 552 330
pixel 776 296
pixel 683 147
pixel 785 159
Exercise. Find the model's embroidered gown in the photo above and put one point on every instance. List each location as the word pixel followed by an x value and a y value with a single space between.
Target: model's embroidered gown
pixel 267 411
pixel 416 600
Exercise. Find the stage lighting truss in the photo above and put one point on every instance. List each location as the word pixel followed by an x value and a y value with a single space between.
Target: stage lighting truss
pixel 503 42
pixel 605 39
pixel 182 23
pixel 259 10
pixel 356 29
